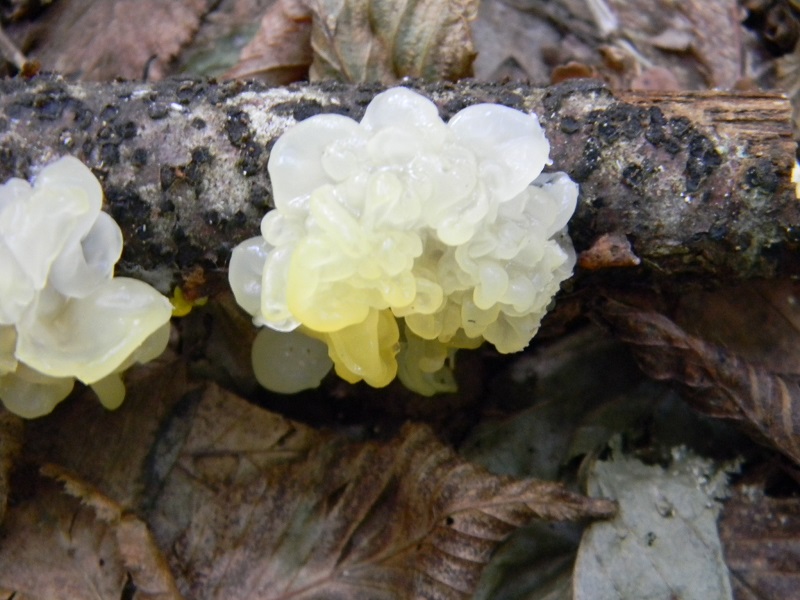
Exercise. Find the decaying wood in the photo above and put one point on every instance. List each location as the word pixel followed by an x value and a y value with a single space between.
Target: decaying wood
pixel 11 432
pixel 697 183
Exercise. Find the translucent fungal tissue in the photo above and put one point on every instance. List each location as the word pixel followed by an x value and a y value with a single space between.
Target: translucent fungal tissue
pixel 399 239
pixel 63 314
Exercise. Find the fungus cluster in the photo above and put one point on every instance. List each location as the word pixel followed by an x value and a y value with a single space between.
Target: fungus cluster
pixel 400 239
pixel 63 315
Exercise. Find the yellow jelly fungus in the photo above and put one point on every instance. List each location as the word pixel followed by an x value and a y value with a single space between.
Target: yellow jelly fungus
pixel 399 239
pixel 182 306
pixel 63 314
pixel 289 362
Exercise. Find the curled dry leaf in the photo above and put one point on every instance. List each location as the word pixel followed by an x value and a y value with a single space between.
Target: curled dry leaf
pixel 726 317
pixel 76 543
pixel 512 41
pixel 361 41
pixel 787 70
pixel 725 384
pixel 109 448
pixel 105 39
pixel 11 429
pixel 698 42
pixel 761 538
pixel 280 52
pixel 259 507
pixel 384 40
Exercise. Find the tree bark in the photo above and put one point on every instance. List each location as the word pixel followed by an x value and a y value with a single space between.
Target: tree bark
pixel 698 183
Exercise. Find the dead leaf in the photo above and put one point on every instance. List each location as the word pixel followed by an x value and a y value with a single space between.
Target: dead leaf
pixel 781 26
pixel 787 70
pixel 103 39
pixel 725 384
pixel 674 39
pixel 567 388
pixel 535 563
pixel 11 429
pixel 109 448
pixel 680 38
pixel 761 537
pixel 510 43
pixel 663 543
pixel 219 41
pixel 144 561
pixel 256 506
pixel 657 79
pixel 384 40
pixel 12 10
pixel 78 544
pixel 758 320
pixel 280 52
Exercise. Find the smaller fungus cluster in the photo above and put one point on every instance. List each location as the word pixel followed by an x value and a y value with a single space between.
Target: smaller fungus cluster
pixel 399 239
pixel 63 315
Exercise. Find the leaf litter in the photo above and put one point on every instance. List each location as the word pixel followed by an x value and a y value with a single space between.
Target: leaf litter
pixel 361 41
pixel 257 506
pixel 84 542
pixel 280 52
pixel 585 391
pixel 245 503
pixel 98 40
pixel 722 383
pixel 761 535
pixel 750 383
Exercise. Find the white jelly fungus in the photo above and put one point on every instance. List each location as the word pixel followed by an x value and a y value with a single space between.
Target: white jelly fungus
pixel 403 238
pixel 63 314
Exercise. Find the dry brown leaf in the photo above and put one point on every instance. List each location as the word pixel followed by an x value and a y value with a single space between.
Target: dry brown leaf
pixel 384 40
pixel 104 39
pixel 259 507
pixel 787 71
pixel 758 320
pixel 512 41
pixel 11 429
pixel 109 448
pixel 699 42
pixel 361 41
pixel 726 385
pixel 78 544
pixel 761 539
pixel 280 52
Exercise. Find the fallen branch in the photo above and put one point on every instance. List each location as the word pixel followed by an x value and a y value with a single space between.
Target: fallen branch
pixel 697 183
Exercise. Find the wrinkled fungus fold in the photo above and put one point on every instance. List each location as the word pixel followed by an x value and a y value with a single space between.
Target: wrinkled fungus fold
pixel 63 314
pixel 400 239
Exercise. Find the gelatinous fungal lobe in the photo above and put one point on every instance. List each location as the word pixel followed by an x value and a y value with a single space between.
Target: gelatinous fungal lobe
pixel 63 314
pixel 399 239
